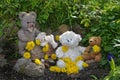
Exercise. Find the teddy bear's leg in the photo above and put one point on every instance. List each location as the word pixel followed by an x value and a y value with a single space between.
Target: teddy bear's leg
pixel 86 56
pixel 98 57
pixel 37 53
pixel 80 65
pixel 61 63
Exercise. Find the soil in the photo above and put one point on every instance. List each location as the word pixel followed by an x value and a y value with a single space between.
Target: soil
pixel 7 73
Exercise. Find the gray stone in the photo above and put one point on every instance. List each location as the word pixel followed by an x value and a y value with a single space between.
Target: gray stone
pixel 1 50
pixel 21 64
pixel 34 70
pixel 29 68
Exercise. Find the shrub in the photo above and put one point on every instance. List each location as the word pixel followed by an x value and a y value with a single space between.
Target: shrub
pixel 96 17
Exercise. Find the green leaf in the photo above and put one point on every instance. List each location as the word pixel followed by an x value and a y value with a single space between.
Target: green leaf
pixel 108 48
pixel 94 77
pixel 107 78
pixel 103 62
pixel 1 33
pixel 86 24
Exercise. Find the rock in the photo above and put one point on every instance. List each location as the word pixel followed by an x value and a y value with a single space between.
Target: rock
pixel 34 70
pixel 61 29
pixel 78 29
pixel 21 64
pixel 3 61
pixel 1 50
pixel 29 68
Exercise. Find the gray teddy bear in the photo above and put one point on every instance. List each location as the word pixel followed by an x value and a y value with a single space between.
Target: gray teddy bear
pixel 28 33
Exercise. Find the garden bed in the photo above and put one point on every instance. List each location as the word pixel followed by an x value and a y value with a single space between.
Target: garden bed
pixel 90 73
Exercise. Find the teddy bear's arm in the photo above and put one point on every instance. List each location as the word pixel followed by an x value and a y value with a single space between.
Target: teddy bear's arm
pixel 87 49
pixel 82 49
pixel 36 32
pixel 22 36
pixel 59 53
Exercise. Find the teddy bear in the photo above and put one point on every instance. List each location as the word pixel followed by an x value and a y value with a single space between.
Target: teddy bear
pixel 69 54
pixel 27 35
pixel 48 46
pixel 92 52
pixel 29 47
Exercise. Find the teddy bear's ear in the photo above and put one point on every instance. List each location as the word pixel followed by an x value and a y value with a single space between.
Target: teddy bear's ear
pixel 99 38
pixel 21 15
pixel 33 13
pixel 79 38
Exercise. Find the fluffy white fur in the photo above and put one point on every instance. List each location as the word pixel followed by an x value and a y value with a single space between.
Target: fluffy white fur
pixel 46 39
pixel 71 40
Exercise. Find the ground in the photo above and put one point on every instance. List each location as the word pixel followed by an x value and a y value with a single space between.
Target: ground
pixel 7 73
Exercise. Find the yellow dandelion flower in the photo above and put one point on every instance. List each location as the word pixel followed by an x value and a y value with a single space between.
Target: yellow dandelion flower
pixel 96 48
pixel 37 42
pixel 72 70
pixel 63 70
pixel 85 64
pixel 37 61
pixel 53 56
pixel 30 45
pixel 45 48
pixel 79 58
pixel 52 68
pixel 57 69
pixel 46 57
pixel 67 59
pixel 64 48
pixel 26 55
pixel 72 64
pixel 57 37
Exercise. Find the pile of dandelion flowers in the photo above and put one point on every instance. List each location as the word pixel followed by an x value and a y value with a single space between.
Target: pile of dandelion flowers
pixel 96 48
pixel 30 45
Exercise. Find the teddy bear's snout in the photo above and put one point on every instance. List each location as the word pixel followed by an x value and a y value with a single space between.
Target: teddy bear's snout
pixel 69 40
pixel 31 24
pixel 90 41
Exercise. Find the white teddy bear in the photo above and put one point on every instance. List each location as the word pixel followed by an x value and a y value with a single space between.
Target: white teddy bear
pixel 44 39
pixel 48 43
pixel 70 49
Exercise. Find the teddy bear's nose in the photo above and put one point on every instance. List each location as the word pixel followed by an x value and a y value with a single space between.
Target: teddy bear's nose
pixel 68 40
pixel 90 41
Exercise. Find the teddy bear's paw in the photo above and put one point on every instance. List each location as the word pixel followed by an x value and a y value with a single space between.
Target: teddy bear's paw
pixel 85 52
pixel 79 64
pixel 90 61
pixel 61 63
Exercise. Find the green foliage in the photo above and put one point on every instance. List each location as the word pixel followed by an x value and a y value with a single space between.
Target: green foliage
pixel 93 77
pixel 114 74
pixel 97 18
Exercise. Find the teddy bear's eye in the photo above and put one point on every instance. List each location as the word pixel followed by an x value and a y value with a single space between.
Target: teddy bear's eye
pixel 71 39
pixel 28 22
pixel 44 39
